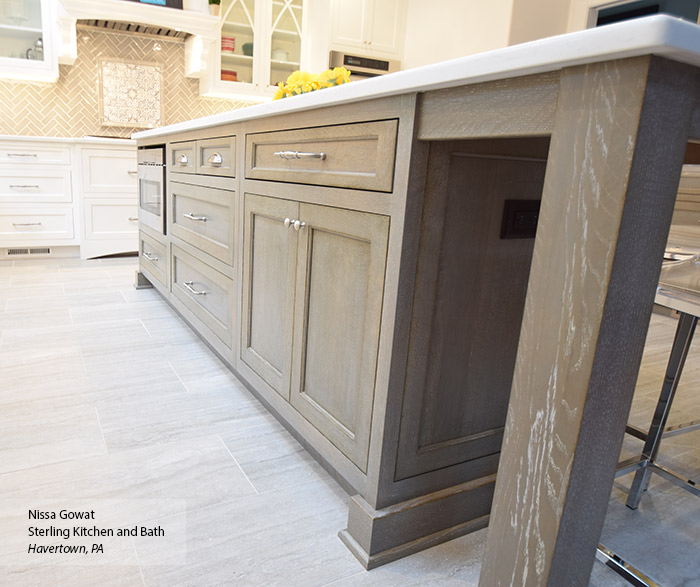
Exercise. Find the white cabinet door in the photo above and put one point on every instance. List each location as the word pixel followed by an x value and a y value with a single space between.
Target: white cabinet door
pixel 109 171
pixel 387 27
pixel 369 27
pixel 350 22
pixel 26 40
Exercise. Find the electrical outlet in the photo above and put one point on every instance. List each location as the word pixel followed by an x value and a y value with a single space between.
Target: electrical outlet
pixel 520 218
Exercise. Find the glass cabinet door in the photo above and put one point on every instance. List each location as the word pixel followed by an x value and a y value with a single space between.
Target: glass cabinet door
pixel 285 39
pixel 20 30
pixel 237 40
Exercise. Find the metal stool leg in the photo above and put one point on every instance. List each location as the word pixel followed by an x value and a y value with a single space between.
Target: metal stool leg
pixel 676 361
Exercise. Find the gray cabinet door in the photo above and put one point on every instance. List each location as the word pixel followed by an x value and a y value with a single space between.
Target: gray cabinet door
pixel 269 258
pixel 339 289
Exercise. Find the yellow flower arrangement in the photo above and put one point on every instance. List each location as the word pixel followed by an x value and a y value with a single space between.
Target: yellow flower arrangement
pixel 302 82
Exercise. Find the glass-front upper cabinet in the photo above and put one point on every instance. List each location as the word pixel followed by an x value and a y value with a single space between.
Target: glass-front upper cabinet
pixel 25 41
pixel 285 39
pixel 238 32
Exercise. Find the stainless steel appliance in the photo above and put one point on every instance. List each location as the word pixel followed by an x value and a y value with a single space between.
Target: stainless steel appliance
pixel 362 67
pixel 151 175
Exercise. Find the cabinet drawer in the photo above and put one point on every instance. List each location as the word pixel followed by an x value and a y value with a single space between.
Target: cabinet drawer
pixel 351 155
pixel 181 157
pixel 217 156
pixel 28 225
pixel 109 171
pixel 204 291
pixel 153 258
pixel 34 154
pixel 35 185
pixel 110 218
pixel 203 217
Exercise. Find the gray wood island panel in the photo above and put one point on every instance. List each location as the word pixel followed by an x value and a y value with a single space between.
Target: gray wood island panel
pixel 378 287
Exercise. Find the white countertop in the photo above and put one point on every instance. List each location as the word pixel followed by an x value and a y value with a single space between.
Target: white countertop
pixel 70 140
pixel 662 35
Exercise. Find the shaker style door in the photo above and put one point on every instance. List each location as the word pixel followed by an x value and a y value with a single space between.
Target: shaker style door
pixel 339 292
pixel 267 305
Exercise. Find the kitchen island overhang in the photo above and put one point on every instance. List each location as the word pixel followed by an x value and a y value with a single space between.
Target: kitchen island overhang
pixel 595 124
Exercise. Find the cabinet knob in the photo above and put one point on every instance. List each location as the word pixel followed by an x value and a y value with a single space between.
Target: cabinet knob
pixel 287 222
pixel 183 160
pixel 298 225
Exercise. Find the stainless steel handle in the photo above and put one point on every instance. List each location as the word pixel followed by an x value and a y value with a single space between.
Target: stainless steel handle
pixel 183 159
pixel 133 218
pixel 26 224
pixel 189 285
pixel 23 187
pixel 149 256
pixel 298 225
pixel 132 172
pixel 196 218
pixel 22 155
pixel 299 155
pixel 215 159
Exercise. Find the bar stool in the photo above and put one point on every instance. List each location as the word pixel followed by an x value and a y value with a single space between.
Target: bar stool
pixel 676 292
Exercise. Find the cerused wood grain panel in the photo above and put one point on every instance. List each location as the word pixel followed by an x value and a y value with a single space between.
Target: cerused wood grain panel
pixel 458 378
pixel 267 303
pixel 521 106
pixel 339 290
pixel 357 155
pixel 605 213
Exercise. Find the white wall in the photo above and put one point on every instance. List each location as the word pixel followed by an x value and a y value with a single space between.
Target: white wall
pixel 437 30
pixel 537 19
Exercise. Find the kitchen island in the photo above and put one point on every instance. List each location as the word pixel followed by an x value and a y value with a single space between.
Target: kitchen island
pixel 365 260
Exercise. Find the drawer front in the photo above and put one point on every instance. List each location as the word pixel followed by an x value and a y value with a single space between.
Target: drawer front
pixel 34 154
pixel 27 225
pixel 153 257
pixel 109 171
pixel 217 156
pixel 203 217
pixel 182 157
pixel 35 185
pixel 357 156
pixel 207 293
pixel 110 218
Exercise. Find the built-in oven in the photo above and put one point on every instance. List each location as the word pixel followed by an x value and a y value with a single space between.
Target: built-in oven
pixel 151 175
pixel 362 67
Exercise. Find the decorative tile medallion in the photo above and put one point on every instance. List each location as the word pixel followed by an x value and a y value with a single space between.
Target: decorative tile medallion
pixel 131 94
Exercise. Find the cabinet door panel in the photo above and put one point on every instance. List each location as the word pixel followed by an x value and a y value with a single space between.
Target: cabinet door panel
pixel 339 291
pixel 349 22
pixel 386 26
pixel 269 256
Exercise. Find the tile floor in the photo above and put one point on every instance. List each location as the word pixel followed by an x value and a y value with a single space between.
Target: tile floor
pixel 105 393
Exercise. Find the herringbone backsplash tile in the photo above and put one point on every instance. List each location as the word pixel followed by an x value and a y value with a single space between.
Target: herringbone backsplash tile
pixel 69 108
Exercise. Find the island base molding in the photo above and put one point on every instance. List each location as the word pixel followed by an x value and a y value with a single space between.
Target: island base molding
pixel 377 537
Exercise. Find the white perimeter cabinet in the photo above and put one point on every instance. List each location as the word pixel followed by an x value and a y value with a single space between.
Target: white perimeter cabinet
pixel 372 28
pixel 58 194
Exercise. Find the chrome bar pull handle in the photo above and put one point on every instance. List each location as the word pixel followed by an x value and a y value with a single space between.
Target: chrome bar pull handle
pixel 26 224
pixel 215 160
pixel 298 225
pixel 149 256
pixel 195 218
pixel 17 186
pixel 133 218
pixel 132 172
pixel 299 155
pixel 183 160
pixel 190 286
pixel 22 155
